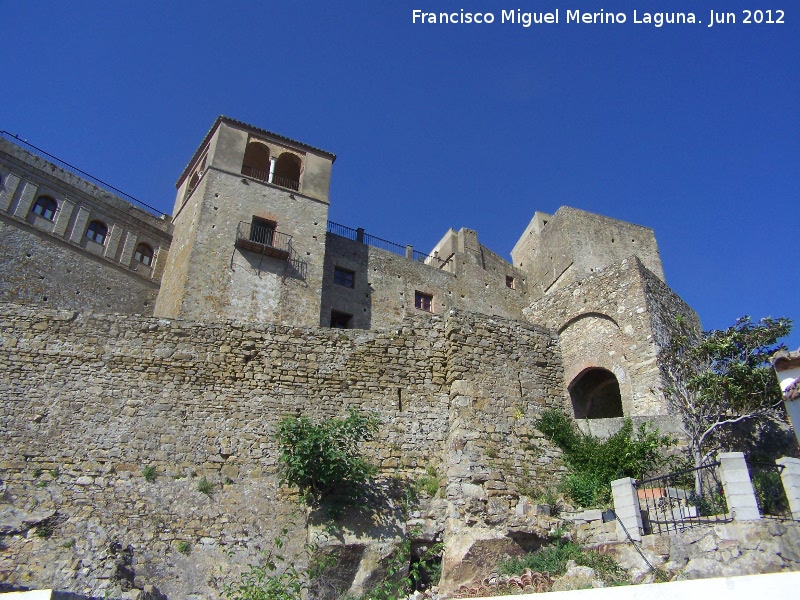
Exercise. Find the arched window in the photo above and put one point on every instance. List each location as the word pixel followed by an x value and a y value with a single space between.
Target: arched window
pixel 45 207
pixel 97 232
pixel 256 160
pixel 144 254
pixel 595 394
pixel 287 171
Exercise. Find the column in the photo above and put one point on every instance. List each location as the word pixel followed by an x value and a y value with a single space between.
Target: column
pixel 112 243
pixel 25 200
pixel 80 225
pixel 7 191
pixel 790 476
pixel 128 248
pixel 626 505
pixel 65 208
pixel 738 488
pixel 272 161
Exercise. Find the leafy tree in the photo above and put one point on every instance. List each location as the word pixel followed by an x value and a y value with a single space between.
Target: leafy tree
pixel 324 459
pixel 719 378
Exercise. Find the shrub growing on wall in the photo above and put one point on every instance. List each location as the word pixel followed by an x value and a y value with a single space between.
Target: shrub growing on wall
pixel 595 463
pixel 325 459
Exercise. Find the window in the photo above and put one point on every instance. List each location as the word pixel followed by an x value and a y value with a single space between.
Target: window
pixel 97 232
pixel 144 254
pixel 45 207
pixel 511 282
pixel 423 301
pixel 256 160
pixel 340 320
pixel 344 277
pixel 262 231
pixel 287 171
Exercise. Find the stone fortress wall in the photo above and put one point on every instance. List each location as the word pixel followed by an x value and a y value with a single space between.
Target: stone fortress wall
pixel 95 399
pixel 48 259
pixel 241 337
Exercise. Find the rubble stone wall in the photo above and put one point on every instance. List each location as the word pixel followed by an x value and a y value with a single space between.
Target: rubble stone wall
pixel 90 400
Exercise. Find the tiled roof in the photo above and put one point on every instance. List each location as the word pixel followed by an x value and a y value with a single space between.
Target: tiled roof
pixel 254 129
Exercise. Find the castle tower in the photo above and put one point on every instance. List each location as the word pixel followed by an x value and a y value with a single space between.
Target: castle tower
pixel 249 229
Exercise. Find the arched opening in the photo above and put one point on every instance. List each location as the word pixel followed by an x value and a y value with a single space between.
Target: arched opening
pixel 595 395
pixel 97 232
pixel 287 171
pixel 256 160
pixel 144 254
pixel 45 207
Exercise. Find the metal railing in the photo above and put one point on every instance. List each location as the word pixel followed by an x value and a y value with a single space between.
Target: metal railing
pixel 342 231
pixel 30 148
pixel 681 500
pixel 377 242
pixel 263 239
pixel 358 235
pixel 263 175
pixel 769 490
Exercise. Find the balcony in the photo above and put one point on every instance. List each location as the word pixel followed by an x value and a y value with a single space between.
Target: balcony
pixel 263 175
pixel 264 240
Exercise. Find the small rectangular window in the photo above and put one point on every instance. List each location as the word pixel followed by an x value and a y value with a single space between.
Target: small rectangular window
pixel 511 282
pixel 344 277
pixel 423 301
pixel 340 320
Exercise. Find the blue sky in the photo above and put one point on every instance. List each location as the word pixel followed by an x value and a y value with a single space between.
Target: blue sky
pixel 693 131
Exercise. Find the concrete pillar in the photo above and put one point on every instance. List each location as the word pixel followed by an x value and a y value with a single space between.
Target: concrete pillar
pixel 26 200
pixel 360 235
pixel 626 505
pixel 738 488
pixel 65 208
pixel 790 476
pixel 272 161
pixel 80 225
pixel 410 252
pixel 7 191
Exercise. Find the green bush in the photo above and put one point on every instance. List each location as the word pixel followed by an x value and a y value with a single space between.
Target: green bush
pixel 325 459
pixel 595 463
pixel 770 493
pixel 553 559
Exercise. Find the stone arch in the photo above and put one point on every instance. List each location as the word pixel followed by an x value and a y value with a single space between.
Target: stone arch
pixel 287 171
pixel 595 394
pixel 594 340
pixel 256 160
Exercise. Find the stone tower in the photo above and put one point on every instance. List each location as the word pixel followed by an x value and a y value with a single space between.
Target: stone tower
pixel 249 229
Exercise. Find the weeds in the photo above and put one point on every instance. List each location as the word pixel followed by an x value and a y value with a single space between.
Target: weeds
pixel 204 486
pixel 553 559
pixel 149 474
pixel 184 547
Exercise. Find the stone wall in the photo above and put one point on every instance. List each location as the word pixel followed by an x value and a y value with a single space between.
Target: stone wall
pixel 385 284
pixel 42 270
pixel 572 244
pixel 49 260
pixel 615 320
pixel 90 400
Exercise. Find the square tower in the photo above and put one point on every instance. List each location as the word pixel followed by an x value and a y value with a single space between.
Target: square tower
pixel 249 229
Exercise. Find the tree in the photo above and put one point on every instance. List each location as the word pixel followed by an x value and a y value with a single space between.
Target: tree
pixel 722 377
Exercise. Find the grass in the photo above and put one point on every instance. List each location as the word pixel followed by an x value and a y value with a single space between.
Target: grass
pixel 149 474
pixel 429 483
pixel 184 547
pixel 553 559
pixel 44 531
pixel 204 486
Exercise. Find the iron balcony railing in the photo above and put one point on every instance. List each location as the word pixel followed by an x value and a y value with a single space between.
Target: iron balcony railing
pixel 31 149
pixel 265 240
pixel 262 175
